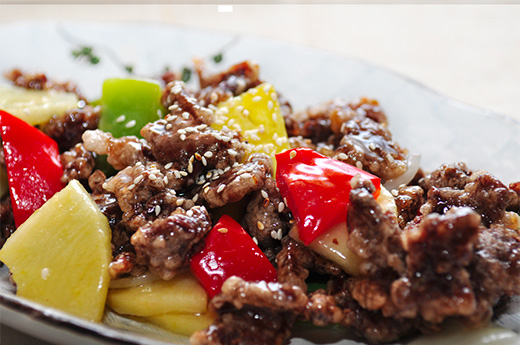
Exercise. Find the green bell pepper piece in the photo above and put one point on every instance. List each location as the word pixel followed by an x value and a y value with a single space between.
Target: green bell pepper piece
pixel 129 104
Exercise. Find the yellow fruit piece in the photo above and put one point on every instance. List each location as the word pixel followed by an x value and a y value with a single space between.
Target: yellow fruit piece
pixel 256 115
pixel 180 323
pixel 182 294
pixel 59 257
pixel 35 107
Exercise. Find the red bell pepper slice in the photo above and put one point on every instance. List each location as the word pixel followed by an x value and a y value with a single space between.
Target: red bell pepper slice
pixel 33 165
pixel 230 251
pixel 316 189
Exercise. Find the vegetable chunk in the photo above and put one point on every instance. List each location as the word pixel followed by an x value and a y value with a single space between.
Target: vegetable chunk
pixel 59 257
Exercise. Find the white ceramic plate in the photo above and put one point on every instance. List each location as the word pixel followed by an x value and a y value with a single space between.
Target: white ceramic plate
pixel 439 128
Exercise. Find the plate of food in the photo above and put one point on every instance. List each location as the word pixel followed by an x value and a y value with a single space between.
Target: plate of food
pixel 167 185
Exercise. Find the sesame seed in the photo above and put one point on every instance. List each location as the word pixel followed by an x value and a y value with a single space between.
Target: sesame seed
pixel 168 126
pixel 275 117
pixel 281 207
pixel 343 156
pixel 152 177
pixel 189 213
pixel 267 88
pixel 121 118
pixel 179 202
pixel 130 124
pixel 165 179
pixel 183 173
pixel 359 165
pixel 257 99
pixel 232 152
pixel 231 122
pixel 245 112
pixel 176 89
pixel 197 156
pixel 104 185
pixel 264 194
pixel 138 179
pixel 274 234
pixel 260 225
pixel 208 154
pixel 195 198
pixel 132 186
pixel 204 161
pixel 221 188
pixel 206 189
pixel 183 137
pixel 279 141
pixel 177 174
pixel 279 233
pixel 292 154
pixel 185 115
pixel 223 230
pixel 168 166
pixel 372 146
pixel 274 96
pixel 390 158
pixel 394 192
pixel 285 201
pixel 190 167
pixel 224 110
pixel 255 240
pixel 261 129
pixel 157 210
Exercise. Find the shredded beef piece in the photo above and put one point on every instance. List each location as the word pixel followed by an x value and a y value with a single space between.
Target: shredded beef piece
pixel 122 264
pixel 494 269
pixel 39 81
pixel 192 148
pixel 322 310
pixel 165 244
pixel 7 226
pixel 252 313
pixel 266 218
pixel 222 86
pixel 170 76
pixel 436 284
pixel 408 201
pixel 146 191
pixel 68 129
pixel 295 261
pixel 122 152
pixel 455 175
pixel 479 190
pixel 368 144
pixel 78 164
pixel 179 100
pixel 235 183
pixel 374 235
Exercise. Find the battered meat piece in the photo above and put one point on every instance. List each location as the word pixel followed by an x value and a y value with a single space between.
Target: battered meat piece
pixel 67 130
pixel 374 235
pixel 479 190
pixel 408 200
pixel 368 145
pixel 321 309
pixel 235 183
pixel 455 175
pixel 252 313
pixel 165 244
pixel 122 152
pixel 78 164
pixel 39 81
pixel 266 218
pixel 219 87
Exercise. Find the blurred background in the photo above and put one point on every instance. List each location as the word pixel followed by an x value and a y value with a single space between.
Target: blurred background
pixel 468 50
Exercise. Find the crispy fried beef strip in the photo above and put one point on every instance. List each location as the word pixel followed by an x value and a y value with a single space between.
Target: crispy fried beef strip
pixel 67 130
pixel 165 244
pixel 257 313
pixel 78 164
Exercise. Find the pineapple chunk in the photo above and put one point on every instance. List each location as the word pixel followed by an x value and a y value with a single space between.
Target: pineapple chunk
pixel 182 294
pixel 59 256
pixel 180 323
pixel 35 107
pixel 256 115
pixel 332 244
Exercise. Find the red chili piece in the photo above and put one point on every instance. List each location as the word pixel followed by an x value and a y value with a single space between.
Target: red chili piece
pixel 33 166
pixel 230 251
pixel 317 189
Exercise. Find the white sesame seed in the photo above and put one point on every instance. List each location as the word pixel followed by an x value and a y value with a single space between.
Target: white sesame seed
pixel 183 173
pixel 292 154
pixel 185 115
pixel 190 167
pixel 157 210
pixel 279 141
pixel 195 198
pixel 394 192
pixel 264 194
pixel 343 156
pixel 359 165
pixel 274 234
pixel 179 201
pixel 104 185
pixel 177 174
pixel 221 188
pixel 372 146
pixel 232 152
pixel 279 233
pixel 231 122
pixel 224 110
pixel 168 166
pixel 257 99
pixel 285 201
pixel 274 96
pixel 176 89
pixel 152 177
pixel 132 186
pixel 130 124
pixel 275 117
pixel 183 137
pixel 206 189
pixel 204 161
pixel 260 225
pixel 165 179
pixel 189 213
pixel 261 129
pixel 138 179
pixel 281 207
pixel 168 126
pixel 245 112
pixel 208 154
pixel 121 118
pixel 270 105
pixel 390 158
pixel 255 240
